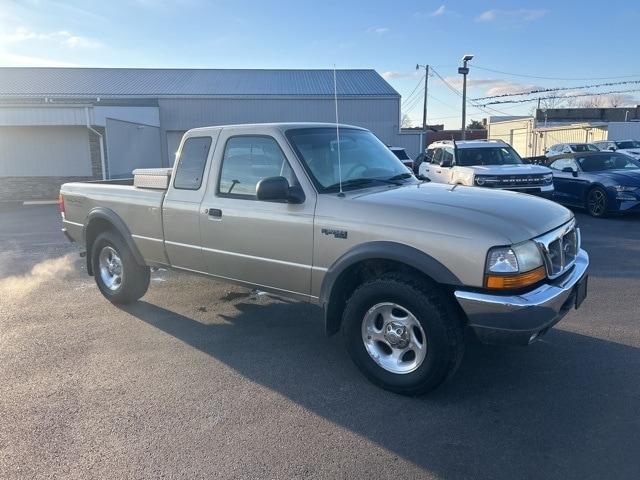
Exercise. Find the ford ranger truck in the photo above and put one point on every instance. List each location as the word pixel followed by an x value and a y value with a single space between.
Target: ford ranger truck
pixel 401 267
pixel 485 163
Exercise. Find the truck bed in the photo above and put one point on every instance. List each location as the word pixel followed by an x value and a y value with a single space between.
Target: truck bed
pixel 139 208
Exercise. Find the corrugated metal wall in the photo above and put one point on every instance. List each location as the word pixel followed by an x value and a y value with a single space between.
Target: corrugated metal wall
pixel 624 131
pixel 44 151
pixel 380 115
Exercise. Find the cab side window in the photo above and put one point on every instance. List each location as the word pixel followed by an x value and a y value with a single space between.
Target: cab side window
pixel 246 161
pixel 193 158
pixel 437 156
pixel 563 163
pixel 447 157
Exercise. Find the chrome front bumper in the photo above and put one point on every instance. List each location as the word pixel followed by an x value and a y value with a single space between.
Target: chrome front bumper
pixel 520 319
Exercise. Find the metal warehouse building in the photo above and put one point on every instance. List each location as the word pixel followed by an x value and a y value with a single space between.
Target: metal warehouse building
pixel 63 124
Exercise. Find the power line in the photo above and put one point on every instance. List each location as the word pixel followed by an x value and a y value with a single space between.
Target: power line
pixel 484 109
pixel 558 89
pixel 552 78
pixel 587 94
pixel 414 90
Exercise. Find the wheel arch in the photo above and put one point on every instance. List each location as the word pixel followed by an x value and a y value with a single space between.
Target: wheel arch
pixel 101 219
pixel 373 259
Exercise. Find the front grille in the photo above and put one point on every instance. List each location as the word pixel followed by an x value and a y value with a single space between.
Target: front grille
pixel 560 248
pixel 514 181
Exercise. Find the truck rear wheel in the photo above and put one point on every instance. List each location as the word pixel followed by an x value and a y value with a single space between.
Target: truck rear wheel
pixel 119 277
pixel 404 336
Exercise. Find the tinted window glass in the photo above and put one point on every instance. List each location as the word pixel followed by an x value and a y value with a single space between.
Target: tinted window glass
pixel 247 160
pixel 469 157
pixel 193 158
pixel 612 161
pixel 562 163
pixel 401 154
pixel 437 156
pixel 447 156
pixel 628 144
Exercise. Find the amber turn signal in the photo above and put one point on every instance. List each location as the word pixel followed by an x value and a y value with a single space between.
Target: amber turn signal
pixel 519 280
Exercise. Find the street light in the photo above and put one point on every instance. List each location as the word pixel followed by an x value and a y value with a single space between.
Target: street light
pixel 464 70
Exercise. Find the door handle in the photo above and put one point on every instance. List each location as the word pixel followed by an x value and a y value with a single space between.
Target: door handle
pixel 438 171
pixel 213 212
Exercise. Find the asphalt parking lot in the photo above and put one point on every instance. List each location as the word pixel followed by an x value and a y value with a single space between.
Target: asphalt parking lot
pixel 202 379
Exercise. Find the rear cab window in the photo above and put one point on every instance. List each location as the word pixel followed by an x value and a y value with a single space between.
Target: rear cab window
pixel 193 158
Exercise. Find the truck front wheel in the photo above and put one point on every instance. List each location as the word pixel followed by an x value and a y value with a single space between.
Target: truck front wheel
pixel 403 334
pixel 119 277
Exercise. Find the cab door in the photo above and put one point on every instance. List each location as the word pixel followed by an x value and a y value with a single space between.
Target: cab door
pixel 442 168
pixel 262 243
pixel 181 207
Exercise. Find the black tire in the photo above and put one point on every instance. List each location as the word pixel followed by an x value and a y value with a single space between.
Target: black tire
pixel 134 277
pixel 438 317
pixel 596 202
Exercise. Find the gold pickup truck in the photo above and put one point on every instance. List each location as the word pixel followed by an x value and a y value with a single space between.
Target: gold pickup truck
pixel 329 215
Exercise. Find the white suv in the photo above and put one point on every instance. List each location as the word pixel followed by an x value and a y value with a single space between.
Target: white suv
pixel 630 147
pixel 560 149
pixel 485 163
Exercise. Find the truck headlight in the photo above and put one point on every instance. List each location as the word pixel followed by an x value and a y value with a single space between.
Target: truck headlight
pixel 547 178
pixel 514 267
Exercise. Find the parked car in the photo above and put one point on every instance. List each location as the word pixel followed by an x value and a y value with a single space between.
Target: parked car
pixel 601 182
pixel 486 163
pixel 403 156
pixel 630 147
pixel 401 267
pixel 562 148
pixel 424 156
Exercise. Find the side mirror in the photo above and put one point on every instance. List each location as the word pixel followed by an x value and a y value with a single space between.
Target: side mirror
pixel 612 148
pixel 422 178
pixel 277 189
pixel 570 170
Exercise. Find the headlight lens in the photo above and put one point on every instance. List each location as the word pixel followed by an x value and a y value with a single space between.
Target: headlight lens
pixel 624 188
pixel 502 260
pixel 547 178
pixel 514 267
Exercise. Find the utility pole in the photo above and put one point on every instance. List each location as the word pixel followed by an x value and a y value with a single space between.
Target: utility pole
pixel 464 70
pixel 424 104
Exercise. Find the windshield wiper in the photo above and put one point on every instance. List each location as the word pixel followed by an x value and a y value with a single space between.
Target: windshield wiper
pixel 361 182
pixel 400 176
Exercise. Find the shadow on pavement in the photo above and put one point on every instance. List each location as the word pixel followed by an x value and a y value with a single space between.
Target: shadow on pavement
pixel 509 413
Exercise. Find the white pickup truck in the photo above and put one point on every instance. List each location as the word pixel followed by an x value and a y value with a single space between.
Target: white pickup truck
pixel 485 163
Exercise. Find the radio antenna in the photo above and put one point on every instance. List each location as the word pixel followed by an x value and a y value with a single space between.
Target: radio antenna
pixel 335 98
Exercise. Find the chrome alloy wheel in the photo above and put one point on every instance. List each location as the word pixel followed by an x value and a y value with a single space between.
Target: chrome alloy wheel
pixel 110 268
pixel 394 338
pixel 597 202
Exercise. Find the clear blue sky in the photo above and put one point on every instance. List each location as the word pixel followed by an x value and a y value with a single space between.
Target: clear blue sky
pixel 562 39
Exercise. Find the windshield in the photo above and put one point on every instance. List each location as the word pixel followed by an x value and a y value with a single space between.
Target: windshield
pixel 364 159
pixel 611 161
pixel 401 154
pixel 584 147
pixel 628 144
pixel 469 157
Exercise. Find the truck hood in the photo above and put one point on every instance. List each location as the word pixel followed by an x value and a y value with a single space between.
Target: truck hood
pixel 466 211
pixel 524 169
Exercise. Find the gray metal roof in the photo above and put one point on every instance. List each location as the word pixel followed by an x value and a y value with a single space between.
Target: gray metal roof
pixel 133 82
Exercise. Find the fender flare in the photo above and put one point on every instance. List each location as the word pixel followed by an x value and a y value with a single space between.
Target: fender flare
pixel 118 224
pixel 383 250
